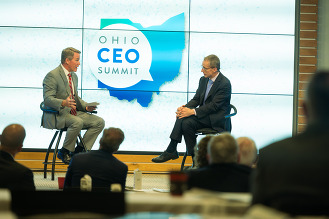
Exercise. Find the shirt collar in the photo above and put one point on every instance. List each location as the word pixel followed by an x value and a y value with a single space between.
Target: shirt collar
pixel 214 78
pixel 65 71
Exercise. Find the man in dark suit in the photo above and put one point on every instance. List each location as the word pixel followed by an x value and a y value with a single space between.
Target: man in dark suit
pixel 60 92
pixel 291 174
pixel 13 175
pixel 103 168
pixel 206 110
pixel 223 173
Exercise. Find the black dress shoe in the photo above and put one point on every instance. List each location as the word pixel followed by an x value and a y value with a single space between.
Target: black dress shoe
pixel 64 155
pixel 165 156
pixel 77 150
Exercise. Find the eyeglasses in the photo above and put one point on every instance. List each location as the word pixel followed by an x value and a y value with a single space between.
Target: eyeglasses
pixel 204 68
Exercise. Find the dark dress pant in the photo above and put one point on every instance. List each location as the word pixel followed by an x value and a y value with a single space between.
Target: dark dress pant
pixel 187 127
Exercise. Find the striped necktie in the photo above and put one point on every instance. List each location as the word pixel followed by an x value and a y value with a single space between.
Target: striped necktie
pixel 73 111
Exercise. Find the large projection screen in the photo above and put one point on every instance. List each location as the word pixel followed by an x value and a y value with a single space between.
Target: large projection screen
pixel 141 59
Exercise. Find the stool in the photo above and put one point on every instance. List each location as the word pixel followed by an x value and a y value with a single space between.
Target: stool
pixel 53 162
pixel 210 131
pixel 60 132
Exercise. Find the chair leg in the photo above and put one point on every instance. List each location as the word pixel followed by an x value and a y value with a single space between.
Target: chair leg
pixel 47 155
pixel 183 161
pixel 55 155
pixel 82 142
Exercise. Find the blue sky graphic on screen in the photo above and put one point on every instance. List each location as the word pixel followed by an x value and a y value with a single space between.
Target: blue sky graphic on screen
pixel 132 62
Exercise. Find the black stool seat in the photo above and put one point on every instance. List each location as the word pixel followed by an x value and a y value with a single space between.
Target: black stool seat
pixel 206 131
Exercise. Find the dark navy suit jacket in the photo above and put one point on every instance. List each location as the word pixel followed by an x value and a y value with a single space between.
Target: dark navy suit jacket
pixel 101 165
pixel 223 177
pixel 13 175
pixel 217 104
pixel 292 174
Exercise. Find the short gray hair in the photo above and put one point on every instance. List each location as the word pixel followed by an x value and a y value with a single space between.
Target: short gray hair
pixel 223 148
pixel 111 139
pixel 213 61
pixel 68 53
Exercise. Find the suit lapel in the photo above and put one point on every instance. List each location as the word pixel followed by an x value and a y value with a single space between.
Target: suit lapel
pixel 66 83
pixel 203 89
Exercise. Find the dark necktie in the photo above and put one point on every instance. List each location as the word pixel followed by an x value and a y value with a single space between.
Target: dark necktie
pixel 73 111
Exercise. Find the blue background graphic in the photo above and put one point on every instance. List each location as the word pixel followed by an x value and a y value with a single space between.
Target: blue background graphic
pixel 167 49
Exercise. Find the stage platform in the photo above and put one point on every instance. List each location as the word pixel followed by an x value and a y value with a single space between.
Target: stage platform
pixel 34 161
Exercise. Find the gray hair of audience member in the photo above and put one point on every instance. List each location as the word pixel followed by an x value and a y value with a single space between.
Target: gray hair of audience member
pixel 316 103
pixel 68 53
pixel 12 138
pixel 223 148
pixel 200 151
pixel 111 139
pixel 247 151
pixel 214 61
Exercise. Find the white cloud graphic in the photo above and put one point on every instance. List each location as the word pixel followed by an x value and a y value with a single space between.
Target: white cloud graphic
pixel 120 58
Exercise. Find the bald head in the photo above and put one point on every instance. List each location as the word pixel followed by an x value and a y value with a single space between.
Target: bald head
pixel 247 151
pixel 12 138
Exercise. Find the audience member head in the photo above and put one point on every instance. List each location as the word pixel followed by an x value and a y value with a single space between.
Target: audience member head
pixel 316 103
pixel 111 139
pixel 200 151
pixel 223 148
pixel 12 139
pixel 213 61
pixel 247 151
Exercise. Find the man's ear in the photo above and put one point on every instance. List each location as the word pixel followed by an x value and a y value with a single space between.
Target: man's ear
pixel 20 148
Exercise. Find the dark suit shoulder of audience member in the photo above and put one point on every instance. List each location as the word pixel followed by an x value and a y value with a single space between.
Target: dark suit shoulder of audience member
pixel 291 175
pixel 101 165
pixel 223 174
pixel 224 177
pixel 103 168
pixel 14 175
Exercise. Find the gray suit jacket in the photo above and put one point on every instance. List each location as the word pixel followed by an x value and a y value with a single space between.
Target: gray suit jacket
pixel 55 90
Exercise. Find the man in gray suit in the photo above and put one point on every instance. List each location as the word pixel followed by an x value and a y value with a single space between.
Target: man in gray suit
pixel 60 92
